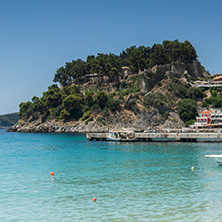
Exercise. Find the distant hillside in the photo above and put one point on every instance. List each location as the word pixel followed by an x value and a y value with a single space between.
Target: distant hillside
pixel 143 88
pixel 8 120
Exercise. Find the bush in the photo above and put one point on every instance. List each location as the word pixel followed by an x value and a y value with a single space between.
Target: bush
pixel 105 112
pixel 101 99
pixel 187 109
pixel 178 90
pixel 85 109
pixel 189 122
pixel 95 108
pixel 194 93
pixel 113 104
pixel 64 114
pixel 214 93
pixel 215 100
pixel 89 98
pixel 86 115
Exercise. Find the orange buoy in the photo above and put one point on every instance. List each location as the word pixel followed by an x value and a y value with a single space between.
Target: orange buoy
pixel 94 199
pixel 52 174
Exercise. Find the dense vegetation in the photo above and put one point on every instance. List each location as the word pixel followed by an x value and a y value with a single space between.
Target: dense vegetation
pixel 72 103
pixel 8 119
pixel 137 58
pixel 215 100
pixel 67 104
pixel 187 109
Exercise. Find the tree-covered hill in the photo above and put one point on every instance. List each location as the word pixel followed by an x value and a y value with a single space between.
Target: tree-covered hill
pixel 136 58
pixel 8 120
pixel 99 93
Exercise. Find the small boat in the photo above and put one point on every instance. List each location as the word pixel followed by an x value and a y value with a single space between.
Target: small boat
pixel 218 158
pixel 123 135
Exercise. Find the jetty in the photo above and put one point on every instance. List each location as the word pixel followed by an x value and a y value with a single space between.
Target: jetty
pixel 165 137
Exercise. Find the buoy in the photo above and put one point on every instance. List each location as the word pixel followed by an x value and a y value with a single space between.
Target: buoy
pixel 192 168
pixel 94 199
pixel 52 174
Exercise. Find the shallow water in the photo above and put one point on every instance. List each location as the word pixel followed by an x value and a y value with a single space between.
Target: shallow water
pixel 131 181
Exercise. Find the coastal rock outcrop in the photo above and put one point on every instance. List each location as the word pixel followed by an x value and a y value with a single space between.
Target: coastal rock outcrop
pixel 142 121
pixel 141 88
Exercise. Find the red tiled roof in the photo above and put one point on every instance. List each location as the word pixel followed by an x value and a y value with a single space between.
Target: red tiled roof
pixel 207 112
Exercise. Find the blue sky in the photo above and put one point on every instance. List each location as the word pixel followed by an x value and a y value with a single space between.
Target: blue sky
pixel 39 36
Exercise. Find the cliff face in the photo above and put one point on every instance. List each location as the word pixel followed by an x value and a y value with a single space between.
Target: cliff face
pixel 178 69
pixel 143 121
pixel 132 113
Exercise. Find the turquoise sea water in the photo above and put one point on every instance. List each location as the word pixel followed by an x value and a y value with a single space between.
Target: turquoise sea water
pixel 131 181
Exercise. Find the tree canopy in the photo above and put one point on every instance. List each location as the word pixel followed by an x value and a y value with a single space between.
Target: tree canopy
pixel 137 58
pixel 72 103
pixel 187 109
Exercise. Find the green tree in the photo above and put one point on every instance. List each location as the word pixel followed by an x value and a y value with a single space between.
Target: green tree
pixel 113 104
pixel 158 100
pixel 64 114
pixel 89 98
pixel 214 93
pixel 62 76
pixel 187 109
pixel 194 93
pixel 189 122
pixel 73 105
pixel 101 99
pixel 137 58
pixel 23 110
pixel 92 65
pixel 158 56
pixel 52 97
pixel 77 69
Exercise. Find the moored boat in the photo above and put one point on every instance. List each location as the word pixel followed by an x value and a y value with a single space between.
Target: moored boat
pixel 218 158
pixel 123 135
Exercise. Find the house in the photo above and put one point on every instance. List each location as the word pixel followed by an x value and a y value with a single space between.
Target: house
pixel 209 119
pixel 217 79
pixel 204 118
pixel 125 71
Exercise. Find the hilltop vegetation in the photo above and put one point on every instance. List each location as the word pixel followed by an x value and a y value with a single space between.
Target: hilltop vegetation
pixel 8 120
pixel 97 90
pixel 136 58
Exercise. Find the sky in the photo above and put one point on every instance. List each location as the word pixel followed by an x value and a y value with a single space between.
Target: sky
pixel 39 36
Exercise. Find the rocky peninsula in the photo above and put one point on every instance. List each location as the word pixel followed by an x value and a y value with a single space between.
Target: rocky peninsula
pixel 148 93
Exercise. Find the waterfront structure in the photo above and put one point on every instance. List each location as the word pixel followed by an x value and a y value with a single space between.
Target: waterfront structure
pixel 194 136
pixel 217 78
pixel 211 118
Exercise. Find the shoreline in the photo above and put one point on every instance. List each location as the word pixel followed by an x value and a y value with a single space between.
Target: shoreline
pixel 48 127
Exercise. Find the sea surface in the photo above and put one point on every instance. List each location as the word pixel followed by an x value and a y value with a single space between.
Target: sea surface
pixel 141 181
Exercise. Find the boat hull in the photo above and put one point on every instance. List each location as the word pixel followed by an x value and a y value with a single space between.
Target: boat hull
pixel 218 158
pixel 122 140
